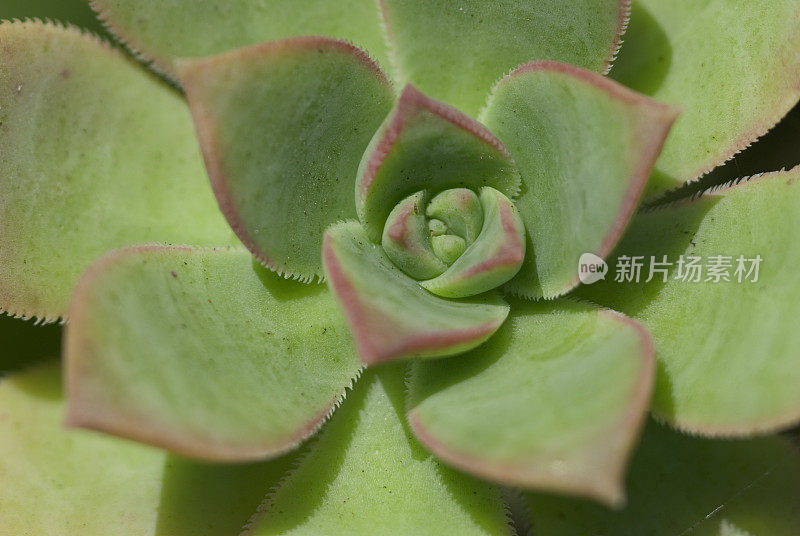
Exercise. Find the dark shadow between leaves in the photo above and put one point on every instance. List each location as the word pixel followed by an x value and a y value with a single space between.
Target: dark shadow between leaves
pixel 646 57
pixel 283 289
pixel 24 344
pixel 207 499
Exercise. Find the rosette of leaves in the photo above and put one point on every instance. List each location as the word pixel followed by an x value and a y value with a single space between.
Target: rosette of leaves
pixel 407 234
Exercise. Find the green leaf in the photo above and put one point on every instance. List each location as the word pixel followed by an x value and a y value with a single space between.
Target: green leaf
pixel 367 475
pixel 455 51
pixel 687 486
pixel 23 342
pixel 390 314
pixel 585 147
pixel 493 258
pixel 732 67
pixel 204 352
pixel 426 145
pixel 94 154
pixel 165 30
pixel 555 400
pixel 59 482
pixel 283 127
pixel 727 351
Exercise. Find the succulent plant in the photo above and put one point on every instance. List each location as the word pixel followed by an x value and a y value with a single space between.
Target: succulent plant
pixel 447 212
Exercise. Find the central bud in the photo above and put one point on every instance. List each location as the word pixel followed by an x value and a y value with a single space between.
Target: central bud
pixel 456 243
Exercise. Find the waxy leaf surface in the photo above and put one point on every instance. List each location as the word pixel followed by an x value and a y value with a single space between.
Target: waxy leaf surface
pixel 554 400
pixel 426 145
pixel 732 67
pixel 366 474
pixel 94 154
pixel 63 482
pixel 681 485
pixel 390 314
pixel 165 30
pixel 455 51
pixel 283 127
pixel 204 352
pixel 727 350
pixel 585 147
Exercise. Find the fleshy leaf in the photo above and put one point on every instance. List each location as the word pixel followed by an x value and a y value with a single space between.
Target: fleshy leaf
pixel 585 146
pixel 407 239
pixel 367 475
pixel 727 351
pixel 94 154
pixel 555 400
pixel 455 51
pixel 460 210
pixel 283 127
pixel 688 486
pixel 204 352
pixel 390 315
pixel 426 145
pixel 493 258
pixel 732 67
pixel 61 482
pixel 166 30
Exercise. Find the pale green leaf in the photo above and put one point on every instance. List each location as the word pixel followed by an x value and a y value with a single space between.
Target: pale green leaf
pixel 204 352
pixel 283 127
pixel 685 486
pixel 67 483
pixel 585 147
pixel 455 51
pixel 366 475
pixel 733 67
pixel 94 154
pixel 390 314
pixel 165 30
pixel 426 145
pixel 727 350
pixel 553 401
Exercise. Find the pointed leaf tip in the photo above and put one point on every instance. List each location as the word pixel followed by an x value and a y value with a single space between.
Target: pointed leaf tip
pixel 390 315
pixel 554 401
pixel 283 126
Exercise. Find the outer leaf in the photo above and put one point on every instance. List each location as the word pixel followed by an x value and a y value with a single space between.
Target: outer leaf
pixel 367 475
pixel 425 144
pixel 390 315
pixel 63 483
pixel 733 67
pixel 455 51
pixel 165 30
pixel 283 126
pixel 727 351
pixel 555 400
pixel 692 487
pixel 203 352
pixel 94 154
pixel 585 147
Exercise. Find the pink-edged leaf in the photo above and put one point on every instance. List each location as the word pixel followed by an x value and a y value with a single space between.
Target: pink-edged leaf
pixel 283 127
pixel 204 352
pixel 585 146
pixel 390 315
pixel 427 145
